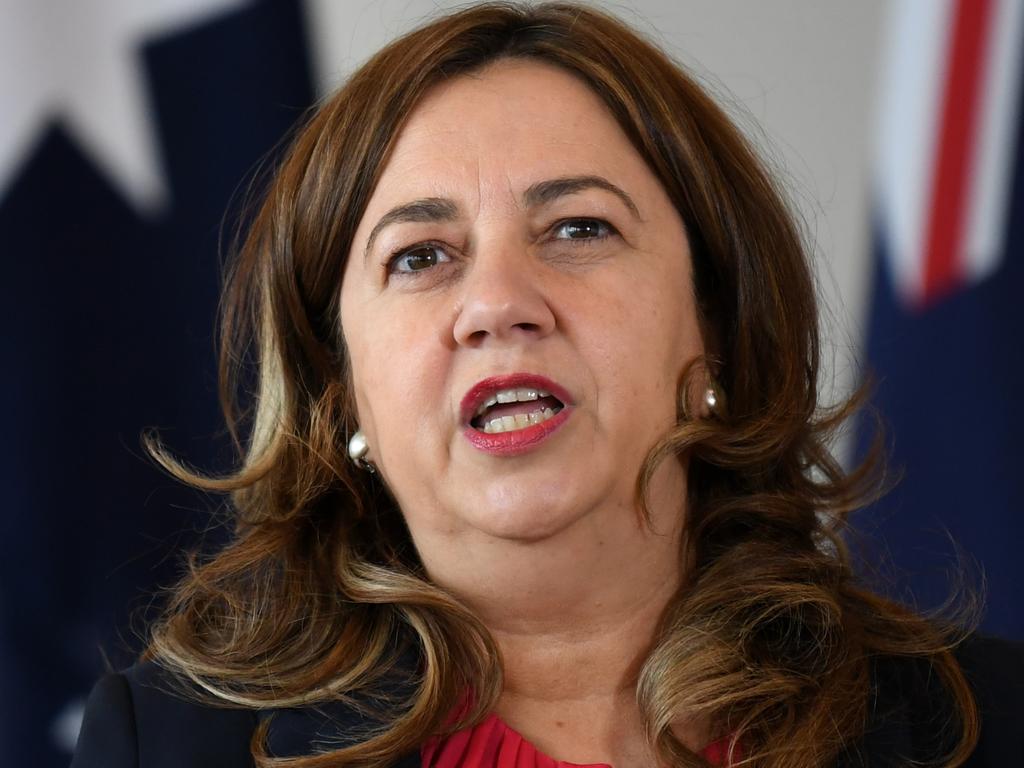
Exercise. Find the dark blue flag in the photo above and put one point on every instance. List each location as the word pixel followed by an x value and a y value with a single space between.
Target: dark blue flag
pixel 946 335
pixel 128 128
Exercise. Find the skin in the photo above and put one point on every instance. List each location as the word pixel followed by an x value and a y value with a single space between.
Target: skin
pixel 546 546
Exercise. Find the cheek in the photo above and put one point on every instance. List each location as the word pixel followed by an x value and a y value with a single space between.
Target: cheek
pixel 647 337
pixel 398 371
pixel 655 311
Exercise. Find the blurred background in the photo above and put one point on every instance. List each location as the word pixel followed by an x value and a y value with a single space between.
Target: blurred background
pixel 129 132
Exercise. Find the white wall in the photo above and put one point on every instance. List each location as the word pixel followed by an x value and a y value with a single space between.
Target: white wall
pixel 799 75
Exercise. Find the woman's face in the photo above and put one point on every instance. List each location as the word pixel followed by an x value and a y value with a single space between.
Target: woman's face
pixel 517 248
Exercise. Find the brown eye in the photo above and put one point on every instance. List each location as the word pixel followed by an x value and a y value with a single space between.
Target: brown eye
pixel 583 229
pixel 417 259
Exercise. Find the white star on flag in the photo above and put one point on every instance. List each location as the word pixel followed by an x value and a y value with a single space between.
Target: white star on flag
pixel 80 63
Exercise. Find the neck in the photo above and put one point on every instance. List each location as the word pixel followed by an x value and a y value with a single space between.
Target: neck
pixel 574 616
pixel 581 624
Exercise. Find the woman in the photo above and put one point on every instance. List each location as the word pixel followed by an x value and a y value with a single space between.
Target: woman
pixel 537 286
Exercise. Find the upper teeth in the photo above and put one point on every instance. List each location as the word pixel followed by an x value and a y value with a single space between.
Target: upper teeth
pixel 511 396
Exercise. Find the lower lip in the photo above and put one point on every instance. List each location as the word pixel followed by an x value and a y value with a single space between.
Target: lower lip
pixel 518 441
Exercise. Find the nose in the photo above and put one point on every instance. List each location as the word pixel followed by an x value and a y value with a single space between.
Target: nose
pixel 502 299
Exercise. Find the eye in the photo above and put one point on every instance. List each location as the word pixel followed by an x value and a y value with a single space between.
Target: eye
pixel 417 259
pixel 583 229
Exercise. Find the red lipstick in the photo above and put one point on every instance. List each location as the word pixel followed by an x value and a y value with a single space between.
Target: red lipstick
pixel 516 441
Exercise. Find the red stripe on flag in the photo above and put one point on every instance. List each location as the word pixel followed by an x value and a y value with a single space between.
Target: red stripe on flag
pixel 960 108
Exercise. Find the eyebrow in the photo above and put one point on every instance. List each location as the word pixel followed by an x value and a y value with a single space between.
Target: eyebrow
pixel 430 209
pixel 544 192
pixel 423 210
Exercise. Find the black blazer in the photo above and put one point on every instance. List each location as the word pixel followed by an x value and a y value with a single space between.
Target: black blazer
pixel 132 720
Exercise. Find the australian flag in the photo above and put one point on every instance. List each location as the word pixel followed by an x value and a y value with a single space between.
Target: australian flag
pixel 126 129
pixel 946 338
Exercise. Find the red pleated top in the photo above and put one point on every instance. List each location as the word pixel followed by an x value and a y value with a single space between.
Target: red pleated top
pixel 493 744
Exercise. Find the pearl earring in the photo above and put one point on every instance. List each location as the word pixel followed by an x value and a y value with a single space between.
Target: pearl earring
pixel 710 399
pixel 713 399
pixel 358 447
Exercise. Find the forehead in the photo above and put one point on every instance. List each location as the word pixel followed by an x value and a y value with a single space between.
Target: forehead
pixel 506 126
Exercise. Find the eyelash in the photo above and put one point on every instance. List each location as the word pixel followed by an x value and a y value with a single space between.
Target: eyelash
pixel 606 229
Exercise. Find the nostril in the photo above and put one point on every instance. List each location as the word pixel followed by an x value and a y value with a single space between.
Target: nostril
pixel 530 327
pixel 479 335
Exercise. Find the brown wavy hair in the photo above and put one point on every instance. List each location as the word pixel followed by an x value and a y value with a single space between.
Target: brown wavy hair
pixel 320 594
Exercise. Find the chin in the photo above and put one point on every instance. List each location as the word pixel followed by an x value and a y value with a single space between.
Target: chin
pixel 512 514
pixel 525 528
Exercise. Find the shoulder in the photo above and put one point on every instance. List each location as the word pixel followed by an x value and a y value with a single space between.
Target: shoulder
pixel 995 671
pixel 911 709
pixel 141 718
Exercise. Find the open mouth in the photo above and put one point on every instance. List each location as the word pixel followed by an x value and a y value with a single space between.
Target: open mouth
pixel 515 408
